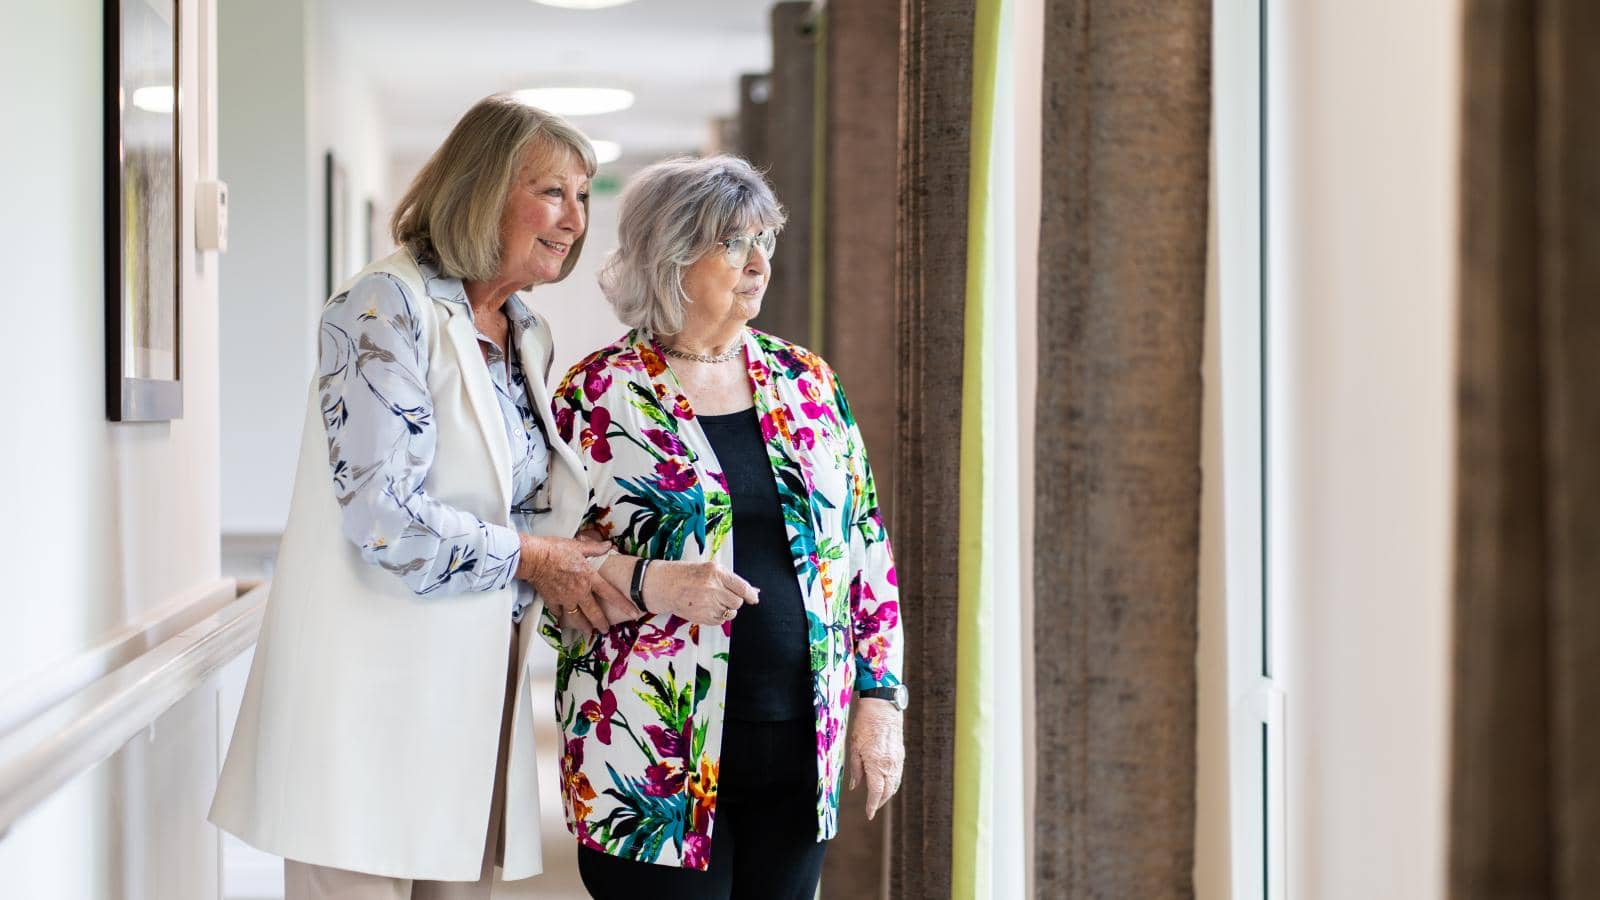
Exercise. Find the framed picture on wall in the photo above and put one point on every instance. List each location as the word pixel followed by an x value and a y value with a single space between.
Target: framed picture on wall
pixel 370 215
pixel 336 224
pixel 143 192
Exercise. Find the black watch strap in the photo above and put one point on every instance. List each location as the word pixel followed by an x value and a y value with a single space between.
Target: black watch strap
pixel 636 589
pixel 897 694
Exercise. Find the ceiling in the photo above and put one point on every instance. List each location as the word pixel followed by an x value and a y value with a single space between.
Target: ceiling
pixel 428 61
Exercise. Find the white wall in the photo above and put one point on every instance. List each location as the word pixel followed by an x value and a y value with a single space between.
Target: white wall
pixel 271 281
pixel 105 521
pixel 289 96
pixel 1363 118
pixel 346 119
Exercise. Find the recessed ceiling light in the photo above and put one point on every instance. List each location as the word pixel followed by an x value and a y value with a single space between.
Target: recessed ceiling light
pixel 156 98
pixel 576 101
pixel 582 4
pixel 606 151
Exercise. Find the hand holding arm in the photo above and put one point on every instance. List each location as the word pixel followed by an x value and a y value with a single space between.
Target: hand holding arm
pixel 558 568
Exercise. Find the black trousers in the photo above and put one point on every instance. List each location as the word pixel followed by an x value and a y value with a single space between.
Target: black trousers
pixel 764 845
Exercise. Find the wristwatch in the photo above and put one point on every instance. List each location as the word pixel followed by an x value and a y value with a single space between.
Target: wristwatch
pixel 897 694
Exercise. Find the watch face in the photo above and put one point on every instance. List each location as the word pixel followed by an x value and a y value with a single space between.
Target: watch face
pixel 902 696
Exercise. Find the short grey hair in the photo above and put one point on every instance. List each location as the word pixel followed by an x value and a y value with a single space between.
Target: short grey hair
pixel 672 213
pixel 450 215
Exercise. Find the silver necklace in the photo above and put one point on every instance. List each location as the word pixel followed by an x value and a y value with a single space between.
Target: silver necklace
pixel 730 353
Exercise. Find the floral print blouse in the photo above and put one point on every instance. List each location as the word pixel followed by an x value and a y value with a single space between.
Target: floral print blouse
pixel 375 404
pixel 641 706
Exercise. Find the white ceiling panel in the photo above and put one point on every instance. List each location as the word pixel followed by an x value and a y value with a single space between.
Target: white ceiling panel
pixel 428 61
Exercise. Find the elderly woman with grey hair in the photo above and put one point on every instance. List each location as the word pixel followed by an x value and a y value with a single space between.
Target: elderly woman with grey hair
pixel 385 746
pixel 716 753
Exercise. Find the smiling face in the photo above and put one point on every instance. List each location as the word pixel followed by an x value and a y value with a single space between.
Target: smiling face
pixel 543 216
pixel 722 295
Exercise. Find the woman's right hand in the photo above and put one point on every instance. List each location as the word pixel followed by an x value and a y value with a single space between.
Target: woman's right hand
pixel 701 592
pixel 559 569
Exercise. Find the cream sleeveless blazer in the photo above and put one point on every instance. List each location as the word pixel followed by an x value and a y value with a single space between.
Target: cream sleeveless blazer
pixel 370 726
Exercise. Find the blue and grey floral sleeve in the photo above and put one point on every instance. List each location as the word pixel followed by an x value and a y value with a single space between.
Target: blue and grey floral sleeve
pixel 381 437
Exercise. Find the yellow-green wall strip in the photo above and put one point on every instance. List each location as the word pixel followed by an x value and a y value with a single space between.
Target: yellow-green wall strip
pixel 971 862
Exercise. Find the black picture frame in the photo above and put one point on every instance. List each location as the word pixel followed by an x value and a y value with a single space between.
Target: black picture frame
pixel 335 224
pixel 369 215
pixel 144 212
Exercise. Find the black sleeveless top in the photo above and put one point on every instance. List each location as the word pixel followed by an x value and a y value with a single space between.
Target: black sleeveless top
pixel 769 660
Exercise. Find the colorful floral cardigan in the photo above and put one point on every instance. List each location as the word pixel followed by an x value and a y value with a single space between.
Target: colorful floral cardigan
pixel 640 706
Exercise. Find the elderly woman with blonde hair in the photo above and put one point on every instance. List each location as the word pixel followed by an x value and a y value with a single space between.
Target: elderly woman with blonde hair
pixel 385 746
pixel 706 761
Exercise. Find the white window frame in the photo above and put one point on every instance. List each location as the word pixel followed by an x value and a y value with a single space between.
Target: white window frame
pixel 1256 698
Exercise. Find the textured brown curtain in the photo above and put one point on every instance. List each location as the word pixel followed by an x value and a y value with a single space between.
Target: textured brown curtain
pixel 1525 793
pixel 930 294
pixel 1122 274
pixel 789 117
pixel 861 59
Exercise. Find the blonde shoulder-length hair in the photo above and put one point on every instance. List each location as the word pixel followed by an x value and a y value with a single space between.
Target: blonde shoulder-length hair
pixel 450 215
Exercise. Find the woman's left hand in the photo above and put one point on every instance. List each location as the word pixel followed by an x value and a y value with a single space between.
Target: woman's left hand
pixel 877 750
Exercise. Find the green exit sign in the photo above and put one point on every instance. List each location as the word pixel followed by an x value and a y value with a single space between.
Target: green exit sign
pixel 605 184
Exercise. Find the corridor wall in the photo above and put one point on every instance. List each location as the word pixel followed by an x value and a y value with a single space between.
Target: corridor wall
pixel 105 522
pixel 272 284
pixel 288 99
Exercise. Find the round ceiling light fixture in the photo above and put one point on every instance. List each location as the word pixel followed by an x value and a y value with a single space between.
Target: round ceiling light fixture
pixel 606 151
pixel 582 4
pixel 577 101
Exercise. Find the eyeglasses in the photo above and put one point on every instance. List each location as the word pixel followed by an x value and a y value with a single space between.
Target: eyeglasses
pixel 737 250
